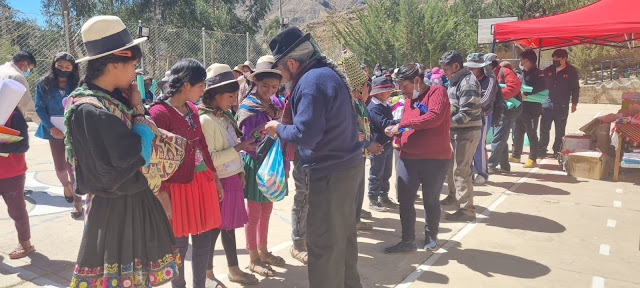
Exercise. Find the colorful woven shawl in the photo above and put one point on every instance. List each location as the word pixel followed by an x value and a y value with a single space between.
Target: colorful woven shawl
pixel 167 150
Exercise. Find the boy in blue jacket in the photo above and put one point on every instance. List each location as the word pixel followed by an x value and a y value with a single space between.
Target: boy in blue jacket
pixel 382 164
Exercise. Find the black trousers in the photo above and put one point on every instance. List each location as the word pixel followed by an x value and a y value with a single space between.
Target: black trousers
pixel 527 123
pixel 332 241
pixel 557 115
pixel 431 173
pixel 229 245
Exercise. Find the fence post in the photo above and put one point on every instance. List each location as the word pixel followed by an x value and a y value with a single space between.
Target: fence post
pixel 66 31
pixel 142 58
pixel 204 49
pixel 248 45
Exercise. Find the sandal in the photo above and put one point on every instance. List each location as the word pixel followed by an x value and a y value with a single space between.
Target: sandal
pixel 274 260
pixel 20 252
pixel 302 256
pixel 214 283
pixel 245 279
pixel 261 268
pixel 68 198
pixel 78 214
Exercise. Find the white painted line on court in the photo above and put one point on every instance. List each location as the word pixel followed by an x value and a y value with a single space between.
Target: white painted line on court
pixel 611 223
pixel 604 249
pixel 619 191
pixel 597 282
pixel 426 265
pixel 617 204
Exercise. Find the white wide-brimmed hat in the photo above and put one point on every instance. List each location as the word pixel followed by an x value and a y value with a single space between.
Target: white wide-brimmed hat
pixel 104 35
pixel 264 65
pixel 218 75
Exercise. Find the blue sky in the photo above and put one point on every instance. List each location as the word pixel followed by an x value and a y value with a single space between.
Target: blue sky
pixel 31 7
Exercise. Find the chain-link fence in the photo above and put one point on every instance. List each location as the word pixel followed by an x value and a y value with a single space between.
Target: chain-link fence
pixel 166 45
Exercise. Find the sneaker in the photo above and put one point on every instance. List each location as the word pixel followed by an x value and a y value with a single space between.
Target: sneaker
pixel 386 202
pixel 460 216
pixel 494 170
pixel 364 226
pixel 402 248
pixel 479 180
pixel 364 214
pixel 514 159
pixel 377 206
pixel 430 243
pixel 449 200
pixel 530 163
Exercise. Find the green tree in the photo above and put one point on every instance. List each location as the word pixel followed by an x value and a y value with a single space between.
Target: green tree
pixel 272 28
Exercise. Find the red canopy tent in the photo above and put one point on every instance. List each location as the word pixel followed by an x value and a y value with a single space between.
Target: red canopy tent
pixel 605 22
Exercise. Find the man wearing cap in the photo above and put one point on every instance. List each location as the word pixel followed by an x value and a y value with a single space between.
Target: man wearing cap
pixel 17 69
pixel 325 130
pixel 466 126
pixel 489 85
pixel 564 87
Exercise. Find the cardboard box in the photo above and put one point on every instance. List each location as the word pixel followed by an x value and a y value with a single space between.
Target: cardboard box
pixel 591 165
pixel 576 142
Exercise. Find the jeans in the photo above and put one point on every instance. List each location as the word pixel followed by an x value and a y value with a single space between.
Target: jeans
pixel 527 123
pixel 332 241
pixel 431 173
pixel 558 115
pixel 500 145
pixel 360 192
pixel 200 246
pixel 480 166
pixel 300 206
pixel 464 144
pixel 380 172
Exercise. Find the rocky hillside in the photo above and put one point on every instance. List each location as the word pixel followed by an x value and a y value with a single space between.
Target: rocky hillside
pixel 304 11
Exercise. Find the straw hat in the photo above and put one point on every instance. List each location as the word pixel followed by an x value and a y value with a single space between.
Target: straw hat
pixel 249 64
pixel 218 75
pixel 238 68
pixel 264 65
pixel 103 35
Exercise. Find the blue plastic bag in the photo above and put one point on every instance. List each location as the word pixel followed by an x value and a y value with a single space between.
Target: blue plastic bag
pixel 270 177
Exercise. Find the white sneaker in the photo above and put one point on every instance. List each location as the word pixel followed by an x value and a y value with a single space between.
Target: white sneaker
pixel 479 180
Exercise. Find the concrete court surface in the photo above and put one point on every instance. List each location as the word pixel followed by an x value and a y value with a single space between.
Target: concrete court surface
pixel 535 228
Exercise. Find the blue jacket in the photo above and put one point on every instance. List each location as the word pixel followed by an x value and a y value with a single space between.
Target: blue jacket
pixel 381 117
pixel 48 105
pixel 325 126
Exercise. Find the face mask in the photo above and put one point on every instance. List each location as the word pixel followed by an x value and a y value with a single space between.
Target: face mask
pixel 147 86
pixel 26 73
pixel 378 73
pixel 521 67
pixel 416 92
pixel 557 63
pixel 246 74
pixel 62 74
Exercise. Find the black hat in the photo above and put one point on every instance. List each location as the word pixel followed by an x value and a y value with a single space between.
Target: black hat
pixel 381 84
pixel 287 40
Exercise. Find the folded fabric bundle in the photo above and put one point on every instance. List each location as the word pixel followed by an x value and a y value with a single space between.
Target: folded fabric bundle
pixel 512 103
pixel 539 97
pixel 523 88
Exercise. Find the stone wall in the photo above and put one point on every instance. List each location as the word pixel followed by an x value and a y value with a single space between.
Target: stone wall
pixel 609 92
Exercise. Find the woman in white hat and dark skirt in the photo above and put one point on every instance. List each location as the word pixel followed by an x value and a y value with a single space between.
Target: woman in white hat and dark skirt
pixel 127 240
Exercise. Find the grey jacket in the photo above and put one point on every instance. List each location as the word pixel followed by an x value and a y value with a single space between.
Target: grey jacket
pixel 465 96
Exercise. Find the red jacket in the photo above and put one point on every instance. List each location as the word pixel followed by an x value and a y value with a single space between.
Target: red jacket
pixel 511 80
pixel 15 164
pixel 429 134
pixel 167 118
